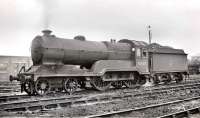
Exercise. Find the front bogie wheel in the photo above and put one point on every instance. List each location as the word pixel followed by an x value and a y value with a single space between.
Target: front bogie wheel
pixel 42 86
pixel 29 86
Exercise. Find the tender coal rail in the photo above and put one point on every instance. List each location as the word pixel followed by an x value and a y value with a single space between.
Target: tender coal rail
pixel 127 112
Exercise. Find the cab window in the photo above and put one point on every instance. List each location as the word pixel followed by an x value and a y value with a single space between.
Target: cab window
pixel 144 54
pixel 138 52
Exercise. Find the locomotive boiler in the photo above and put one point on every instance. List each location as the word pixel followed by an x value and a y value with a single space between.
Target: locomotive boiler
pixel 68 64
pixel 51 50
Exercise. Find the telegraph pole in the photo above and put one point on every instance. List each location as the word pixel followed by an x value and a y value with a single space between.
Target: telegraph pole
pixel 149 33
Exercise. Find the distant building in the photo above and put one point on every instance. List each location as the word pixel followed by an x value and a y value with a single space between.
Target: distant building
pixel 195 58
pixel 194 65
pixel 10 65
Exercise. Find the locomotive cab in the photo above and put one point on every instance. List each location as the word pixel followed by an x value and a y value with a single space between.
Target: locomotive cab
pixel 142 60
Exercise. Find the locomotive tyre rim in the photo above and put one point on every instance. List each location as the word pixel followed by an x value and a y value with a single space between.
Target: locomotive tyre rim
pixel 42 87
pixel 29 87
pixel 70 85
pixel 100 85
pixel 117 84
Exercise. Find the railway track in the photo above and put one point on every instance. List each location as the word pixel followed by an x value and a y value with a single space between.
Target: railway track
pixel 138 92
pixel 8 88
pixel 183 114
pixel 13 97
pixel 40 103
pixel 130 112
pixel 163 90
pixel 43 104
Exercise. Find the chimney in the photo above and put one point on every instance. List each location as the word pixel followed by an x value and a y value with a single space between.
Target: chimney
pixel 46 32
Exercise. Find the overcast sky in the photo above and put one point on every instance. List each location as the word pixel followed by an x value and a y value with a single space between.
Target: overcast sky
pixel 174 23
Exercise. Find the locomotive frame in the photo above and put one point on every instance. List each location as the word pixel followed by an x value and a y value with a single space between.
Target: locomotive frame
pixel 127 63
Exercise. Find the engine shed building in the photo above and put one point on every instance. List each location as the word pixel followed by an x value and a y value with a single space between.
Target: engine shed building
pixel 10 65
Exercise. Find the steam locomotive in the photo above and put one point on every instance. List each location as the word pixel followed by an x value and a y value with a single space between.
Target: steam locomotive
pixel 69 64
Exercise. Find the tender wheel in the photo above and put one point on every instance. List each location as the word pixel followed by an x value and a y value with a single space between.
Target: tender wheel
pixel 29 87
pixel 70 85
pixel 42 86
pixel 156 80
pixel 99 84
pixel 178 78
pixel 117 84
pixel 142 81
pixel 166 79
